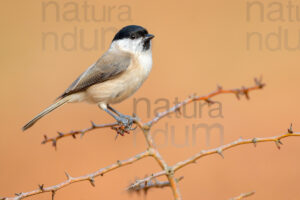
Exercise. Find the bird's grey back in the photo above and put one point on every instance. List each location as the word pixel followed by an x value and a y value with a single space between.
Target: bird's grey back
pixel 109 66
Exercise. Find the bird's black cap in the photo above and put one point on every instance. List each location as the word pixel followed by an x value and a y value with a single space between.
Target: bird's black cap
pixel 132 32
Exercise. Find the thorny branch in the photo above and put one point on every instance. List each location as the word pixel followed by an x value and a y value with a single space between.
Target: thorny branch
pixel 242 196
pixel 168 171
pixel 75 133
pixel 151 183
pixel 145 126
pixel 88 177
pixel 237 92
pixel 219 150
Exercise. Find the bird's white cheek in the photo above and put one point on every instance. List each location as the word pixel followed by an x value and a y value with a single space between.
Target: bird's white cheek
pixel 128 45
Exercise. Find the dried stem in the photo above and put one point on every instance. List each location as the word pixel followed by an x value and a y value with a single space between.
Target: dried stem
pixel 242 196
pixel 140 182
pixel 156 155
pixel 146 126
pixel 168 171
pixel 219 150
pixel 75 133
pixel 88 177
pixel 151 183
pixel 238 92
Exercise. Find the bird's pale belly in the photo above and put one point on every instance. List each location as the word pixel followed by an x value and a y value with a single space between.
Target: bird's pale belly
pixel 116 90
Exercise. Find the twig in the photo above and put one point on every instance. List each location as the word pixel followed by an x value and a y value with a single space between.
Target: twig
pixel 151 145
pixel 146 126
pixel 152 151
pixel 242 196
pixel 88 177
pixel 219 150
pixel 168 171
pixel 152 183
pixel 75 133
pixel 238 92
pixel 138 183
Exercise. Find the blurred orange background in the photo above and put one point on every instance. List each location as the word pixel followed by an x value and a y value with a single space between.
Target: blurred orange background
pixel 198 45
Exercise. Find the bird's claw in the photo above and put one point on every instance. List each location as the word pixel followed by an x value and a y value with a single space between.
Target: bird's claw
pixel 125 124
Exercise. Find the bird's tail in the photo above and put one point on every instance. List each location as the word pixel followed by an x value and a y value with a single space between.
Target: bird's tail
pixel 46 111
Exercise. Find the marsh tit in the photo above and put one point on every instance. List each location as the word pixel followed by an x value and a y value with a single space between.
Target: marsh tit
pixel 115 76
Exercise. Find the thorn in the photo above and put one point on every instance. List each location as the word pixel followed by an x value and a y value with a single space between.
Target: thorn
pixel 93 124
pixel 54 144
pixel 179 179
pixel 178 110
pixel 68 175
pixel 130 187
pixel 82 134
pixel 219 151
pixel 119 162
pixel 279 141
pixel 60 134
pixel 246 93
pixel 53 194
pixel 74 136
pixel 192 96
pixel 219 87
pixel 45 139
pixel 157 115
pixel 258 82
pixel 237 94
pixel 146 190
pixel 134 128
pixel 209 102
pixel 92 181
pixel 18 194
pixel 290 130
pixel 116 135
pixel 254 141
pixel 277 144
pixel 41 187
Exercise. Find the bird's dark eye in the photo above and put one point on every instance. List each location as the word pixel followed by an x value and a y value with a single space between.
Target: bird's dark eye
pixel 132 36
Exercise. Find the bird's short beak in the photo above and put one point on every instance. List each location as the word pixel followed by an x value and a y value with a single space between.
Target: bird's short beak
pixel 149 37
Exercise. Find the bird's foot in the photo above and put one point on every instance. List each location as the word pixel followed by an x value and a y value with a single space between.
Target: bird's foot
pixel 125 124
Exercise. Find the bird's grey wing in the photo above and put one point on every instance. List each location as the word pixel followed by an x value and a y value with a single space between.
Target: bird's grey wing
pixel 109 66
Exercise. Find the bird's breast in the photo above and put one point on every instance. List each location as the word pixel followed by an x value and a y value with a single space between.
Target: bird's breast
pixel 123 86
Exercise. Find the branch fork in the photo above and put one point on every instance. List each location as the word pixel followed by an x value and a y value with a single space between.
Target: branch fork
pixel 168 171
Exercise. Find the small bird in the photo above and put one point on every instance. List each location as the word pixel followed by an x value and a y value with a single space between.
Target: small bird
pixel 115 76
